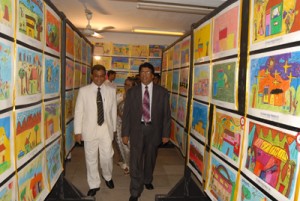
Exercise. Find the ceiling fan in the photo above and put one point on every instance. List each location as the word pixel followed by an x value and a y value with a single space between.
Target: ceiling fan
pixel 89 31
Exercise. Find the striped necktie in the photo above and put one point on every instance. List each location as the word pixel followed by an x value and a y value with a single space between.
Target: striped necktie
pixel 146 105
pixel 100 113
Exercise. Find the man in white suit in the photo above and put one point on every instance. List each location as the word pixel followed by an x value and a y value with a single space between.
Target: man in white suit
pixel 97 138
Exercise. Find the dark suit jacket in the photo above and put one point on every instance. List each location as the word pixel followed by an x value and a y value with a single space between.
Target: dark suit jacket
pixel 160 115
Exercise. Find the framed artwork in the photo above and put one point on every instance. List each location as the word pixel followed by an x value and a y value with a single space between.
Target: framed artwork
pixel 69 102
pixel 84 51
pixel 89 54
pixel 224 79
pixel 6 73
pixel 169 80
pixel 164 65
pixel 77 47
pixel 178 135
pixel 202 84
pixel 120 63
pixel 274 86
pixel 170 58
pixel 181 110
pixel 9 189
pixel 185 51
pixel 156 50
pixel 104 49
pixel 139 50
pixel 70 69
pixel 69 41
pixel 176 55
pixel 156 62
pixel 175 81
pixel 120 78
pixel 200 121
pixel 271 158
pixel 53 32
pixel 202 42
pixel 77 75
pixel 173 100
pixel 136 62
pixel 7 21
pixel 225 31
pixel 120 49
pixel 163 79
pixel 184 81
pixel 51 115
pixel 105 61
pixel 51 77
pixel 69 137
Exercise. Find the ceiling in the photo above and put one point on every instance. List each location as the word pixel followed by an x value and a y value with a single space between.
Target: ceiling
pixel 124 14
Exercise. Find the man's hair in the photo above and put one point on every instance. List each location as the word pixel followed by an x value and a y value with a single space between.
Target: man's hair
pixel 98 67
pixel 111 72
pixel 147 65
pixel 157 75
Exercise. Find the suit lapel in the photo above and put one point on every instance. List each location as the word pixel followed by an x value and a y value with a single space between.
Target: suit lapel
pixel 154 99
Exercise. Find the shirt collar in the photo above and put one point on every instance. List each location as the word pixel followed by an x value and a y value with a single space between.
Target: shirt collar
pixel 150 85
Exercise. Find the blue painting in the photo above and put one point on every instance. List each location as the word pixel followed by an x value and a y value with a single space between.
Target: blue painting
pixel 52 76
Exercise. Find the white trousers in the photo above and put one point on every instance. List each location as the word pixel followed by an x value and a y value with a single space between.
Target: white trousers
pixel 102 148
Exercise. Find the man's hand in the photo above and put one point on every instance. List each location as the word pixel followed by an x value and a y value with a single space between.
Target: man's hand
pixel 78 138
pixel 125 140
pixel 165 140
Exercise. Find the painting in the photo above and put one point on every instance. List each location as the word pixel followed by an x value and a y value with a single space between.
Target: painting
pixel 28 134
pixel 169 80
pixel 104 61
pixel 8 190
pixel 69 41
pixel 156 50
pixel 7 21
pixel 77 75
pixel 32 180
pixel 136 62
pixel 202 42
pixel 163 79
pixel 120 63
pixel 139 50
pixel 173 101
pixel 69 138
pixel 176 55
pixel 53 25
pixel 227 136
pixel 121 77
pixel 274 88
pixel 185 51
pixel 164 64
pixel 170 58
pixel 181 110
pixel 84 51
pixel 221 182
pixel 196 158
pixel 120 49
pixel 7 159
pixel 273 23
pixel 89 54
pixel 6 73
pixel 184 81
pixel 226 31
pixel 51 121
pixel 77 47
pixel 83 76
pixel 224 83
pixel 54 165
pixel 51 77
pixel 69 104
pixel 28 76
pixel 30 22
pixel 70 69
pixel 248 192
pixel 178 134
pixel 103 49
pixel 200 121
pixel 271 158
pixel 175 81
pixel 172 132
pixel 202 82
pixel 156 62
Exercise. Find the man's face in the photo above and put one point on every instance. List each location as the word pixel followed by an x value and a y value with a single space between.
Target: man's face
pixel 98 77
pixel 146 76
pixel 112 77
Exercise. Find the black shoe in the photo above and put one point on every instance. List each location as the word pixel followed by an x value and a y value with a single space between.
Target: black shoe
pixel 110 184
pixel 132 198
pixel 149 186
pixel 93 191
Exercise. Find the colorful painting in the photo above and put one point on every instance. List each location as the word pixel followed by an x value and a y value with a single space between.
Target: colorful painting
pixel 248 192
pixel 69 138
pixel 89 54
pixel 226 31
pixel 30 23
pixel 6 73
pixel 200 121
pixel 156 50
pixel 202 82
pixel 77 47
pixel 32 180
pixel 77 75
pixel 69 41
pixel 156 64
pixel 173 100
pixel 104 61
pixel 69 105
pixel 7 21
pixel 164 64
pixel 28 133
pixel 69 73
pixel 169 80
pixel 139 50
pixel 184 81
pixel 274 90
pixel 202 42
pixel 84 51
pixel 175 81
pixel 120 78
pixel 176 55
pixel 181 110
pixel 221 181
pixel 28 77
pixel 224 83
pixel 103 49
pixel 178 140
pixel 185 51
pixel 163 79
pixel 7 159
pixel 120 63
pixel 51 77
pixel 170 58
pixel 52 122
pixel 53 24
pixel 136 62
pixel 227 136
pixel 274 22
pixel 120 49
pixel 54 165
pixel 83 76
pixel 8 190
pixel 196 158
pixel 271 158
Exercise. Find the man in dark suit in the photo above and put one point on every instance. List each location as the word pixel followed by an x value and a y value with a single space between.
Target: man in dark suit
pixel 146 123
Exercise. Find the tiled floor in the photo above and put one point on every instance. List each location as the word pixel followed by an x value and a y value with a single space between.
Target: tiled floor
pixel 168 171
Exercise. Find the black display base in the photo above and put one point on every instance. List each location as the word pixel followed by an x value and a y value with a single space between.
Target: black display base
pixel 63 190
pixel 184 191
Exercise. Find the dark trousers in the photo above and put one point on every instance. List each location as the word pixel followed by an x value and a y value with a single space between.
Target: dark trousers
pixel 142 162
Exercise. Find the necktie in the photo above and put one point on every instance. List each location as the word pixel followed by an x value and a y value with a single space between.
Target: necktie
pixel 100 113
pixel 146 105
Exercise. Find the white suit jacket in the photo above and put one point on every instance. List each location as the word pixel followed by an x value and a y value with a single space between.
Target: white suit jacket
pixel 85 118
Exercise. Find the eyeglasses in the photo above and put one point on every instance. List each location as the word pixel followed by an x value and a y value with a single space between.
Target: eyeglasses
pixel 146 72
